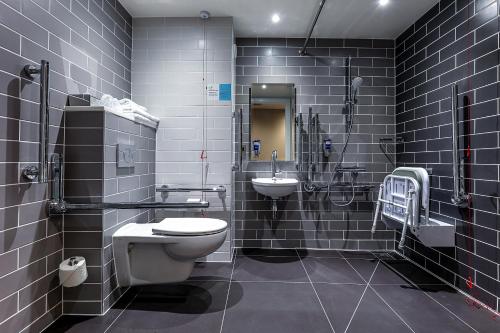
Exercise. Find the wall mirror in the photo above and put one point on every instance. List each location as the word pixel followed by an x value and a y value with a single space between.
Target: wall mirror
pixel 272 121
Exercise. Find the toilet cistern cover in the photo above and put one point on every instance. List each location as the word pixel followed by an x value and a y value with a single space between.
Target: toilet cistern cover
pixel 189 226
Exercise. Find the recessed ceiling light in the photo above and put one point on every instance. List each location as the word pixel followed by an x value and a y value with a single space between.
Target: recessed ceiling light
pixel 275 18
pixel 264 86
pixel 383 2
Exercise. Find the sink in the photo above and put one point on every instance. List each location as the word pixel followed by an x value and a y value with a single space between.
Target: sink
pixel 275 187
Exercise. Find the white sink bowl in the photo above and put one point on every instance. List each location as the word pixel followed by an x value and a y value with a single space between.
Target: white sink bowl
pixel 275 187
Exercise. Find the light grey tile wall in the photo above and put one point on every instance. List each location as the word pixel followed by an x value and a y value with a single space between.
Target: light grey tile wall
pixel 88 44
pixel 310 220
pixel 167 77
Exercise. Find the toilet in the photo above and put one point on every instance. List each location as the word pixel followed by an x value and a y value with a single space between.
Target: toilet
pixel 164 252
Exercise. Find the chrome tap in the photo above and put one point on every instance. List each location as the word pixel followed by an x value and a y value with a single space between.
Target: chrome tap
pixel 274 163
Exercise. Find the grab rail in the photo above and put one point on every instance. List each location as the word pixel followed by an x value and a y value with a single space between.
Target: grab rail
pixel 459 198
pixel 218 189
pixel 41 171
pixel 63 207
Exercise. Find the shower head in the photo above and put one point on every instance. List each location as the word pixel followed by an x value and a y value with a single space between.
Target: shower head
pixel 355 84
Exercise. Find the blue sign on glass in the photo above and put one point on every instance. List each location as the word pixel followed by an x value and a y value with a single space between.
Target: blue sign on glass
pixel 225 92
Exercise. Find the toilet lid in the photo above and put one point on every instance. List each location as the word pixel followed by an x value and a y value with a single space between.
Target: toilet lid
pixel 189 226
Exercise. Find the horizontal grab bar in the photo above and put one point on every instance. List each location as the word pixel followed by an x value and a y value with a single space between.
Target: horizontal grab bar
pixel 165 188
pixel 62 207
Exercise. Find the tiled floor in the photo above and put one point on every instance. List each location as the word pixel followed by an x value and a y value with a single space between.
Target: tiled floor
pixel 295 291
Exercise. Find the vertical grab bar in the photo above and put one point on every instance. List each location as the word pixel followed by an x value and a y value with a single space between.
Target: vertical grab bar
pixel 309 144
pixel 298 143
pixel 42 170
pixel 459 198
pixel 240 153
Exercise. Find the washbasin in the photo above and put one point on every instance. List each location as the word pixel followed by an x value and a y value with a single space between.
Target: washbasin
pixel 275 187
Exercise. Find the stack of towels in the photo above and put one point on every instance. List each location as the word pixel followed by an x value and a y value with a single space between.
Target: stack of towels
pixel 129 109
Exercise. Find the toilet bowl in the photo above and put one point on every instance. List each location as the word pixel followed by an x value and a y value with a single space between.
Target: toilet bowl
pixel 164 252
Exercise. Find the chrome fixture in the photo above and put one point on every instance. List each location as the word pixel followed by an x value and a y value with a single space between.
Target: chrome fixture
pixel 274 163
pixel 299 124
pixel 64 207
pixel 320 8
pixel 353 86
pixel 313 144
pixel 58 206
pixel 57 185
pixel 31 172
pixel 356 83
pixel 459 198
pixel 218 189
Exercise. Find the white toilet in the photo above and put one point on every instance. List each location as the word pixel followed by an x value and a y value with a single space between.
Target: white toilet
pixel 155 253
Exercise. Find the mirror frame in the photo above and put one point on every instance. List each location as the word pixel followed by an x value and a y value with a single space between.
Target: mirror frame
pixel 293 118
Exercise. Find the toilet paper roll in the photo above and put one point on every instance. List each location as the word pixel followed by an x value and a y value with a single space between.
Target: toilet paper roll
pixel 73 271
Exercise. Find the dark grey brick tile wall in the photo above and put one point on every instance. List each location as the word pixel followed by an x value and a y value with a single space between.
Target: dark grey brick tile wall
pixel 125 184
pixel 89 233
pixel 88 45
pixel 305 220
pixel 456 41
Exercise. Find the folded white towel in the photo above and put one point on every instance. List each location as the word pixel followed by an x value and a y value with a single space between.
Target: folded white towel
pixel 144 120
pixel 129 106
pixel 111 102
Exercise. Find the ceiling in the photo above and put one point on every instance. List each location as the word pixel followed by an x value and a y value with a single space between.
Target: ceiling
pixel 339 19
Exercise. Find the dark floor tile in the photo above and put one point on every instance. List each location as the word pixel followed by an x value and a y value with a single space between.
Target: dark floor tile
pixel 304 253
pixel 187 307
pixel 364 267
pixel 274 307
pixel 357 254
pixel 419 311
pixel 331 270
pixel 373 315
pixel 339 301
pixel 479 318
pixel 384 275
pixel 286 269
pixel 220 271
pixel 96 324
pixel 267 252
pixel 388 256
pixel 411 272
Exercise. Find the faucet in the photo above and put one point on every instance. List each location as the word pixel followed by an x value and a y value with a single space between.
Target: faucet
pixel 274 163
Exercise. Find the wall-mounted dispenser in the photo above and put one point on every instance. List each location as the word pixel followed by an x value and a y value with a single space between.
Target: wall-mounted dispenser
pixel 256 147
pixel 327 147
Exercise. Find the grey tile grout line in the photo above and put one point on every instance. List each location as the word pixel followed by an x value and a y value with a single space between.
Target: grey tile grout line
pixel 228 291
pixel 315 292
pixel 121 312
pixel 361 298
pixel 426 294
pixel 369 285
pixel 390 307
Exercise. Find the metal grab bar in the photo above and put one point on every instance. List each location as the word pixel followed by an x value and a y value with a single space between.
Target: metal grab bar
pixel 41 171
pixel 459 198
pixel 63 207
pixel 320 8
pixel 218 189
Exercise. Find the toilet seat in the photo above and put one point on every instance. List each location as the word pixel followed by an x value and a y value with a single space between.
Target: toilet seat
pixel 189 227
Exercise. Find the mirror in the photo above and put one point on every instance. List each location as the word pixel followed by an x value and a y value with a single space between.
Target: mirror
pixel 272 121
